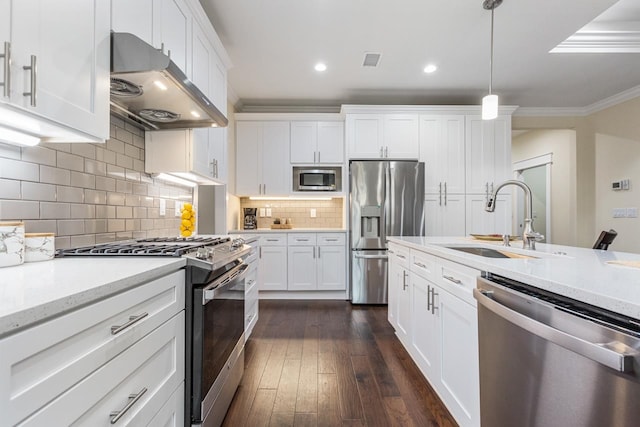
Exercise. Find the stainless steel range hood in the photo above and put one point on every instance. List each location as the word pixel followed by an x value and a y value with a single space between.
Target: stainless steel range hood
pixel 149 89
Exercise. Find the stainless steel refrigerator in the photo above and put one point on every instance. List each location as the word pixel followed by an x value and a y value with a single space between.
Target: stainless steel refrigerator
pixel 386 199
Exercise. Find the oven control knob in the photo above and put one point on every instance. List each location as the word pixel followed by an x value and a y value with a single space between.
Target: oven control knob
pixel 237 243
pixel 202 253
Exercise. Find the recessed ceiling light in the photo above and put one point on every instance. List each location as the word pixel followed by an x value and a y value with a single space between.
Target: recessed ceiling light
pixel 320 66
pixel 430 68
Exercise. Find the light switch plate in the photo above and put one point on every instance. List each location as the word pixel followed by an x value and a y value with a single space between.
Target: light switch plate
pixel 268 212
pixel 163 207
pixel 632 212
pixel 179 208
pixel 262 213
pixel 619 212
pixel 313 213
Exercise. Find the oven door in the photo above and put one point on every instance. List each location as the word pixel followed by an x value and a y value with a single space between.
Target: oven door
pixel 218 340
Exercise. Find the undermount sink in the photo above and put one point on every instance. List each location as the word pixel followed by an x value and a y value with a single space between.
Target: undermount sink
pixel 490 253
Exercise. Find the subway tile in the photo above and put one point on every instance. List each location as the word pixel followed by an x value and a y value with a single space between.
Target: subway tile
pixel 63 242
pixel 134 129
pixel 146 224
pixel 132 151
pixel 138 141
pixel 100 154
pixel 146 178
pixel 50 210
pixel 139 234
pixel 115 145
pixel 105 211
pixel 132 200
pixel 95 197
pixel 124 187
pixel 40 226
pixel 132 175
pixel 70 227
pixel 84 150
pixel 84 180
pixel 83 211
pixel 124 136
pixel 140 189
pixel 106 184
pixel 132 224
pixel 54 175
pixel 138 166
pixel 153 213
pixel 124 161
pixel 93 226
pixel 125 235
pixel 115 199
pixel 9 189
pixel 112 130
pixel 115 225
pixel 39 192
pixel 85 240
pixel 19 210
pixel 116 121
pixel 9 151
pixel 154 190
pixel 95 167
pixel 115 171
pixel 17 169
pixel 109 157
pixel 40 155
pixel 139 212
pixel 147 202
pixel 105 238
pixel 69 161
pixel 66 147
pixel 70 194
pixel 124 212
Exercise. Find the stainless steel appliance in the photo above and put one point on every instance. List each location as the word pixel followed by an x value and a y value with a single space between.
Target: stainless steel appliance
pixel 215 284
pixel 149 89
pixel 317 179
pixel 386 199
pixel 547 360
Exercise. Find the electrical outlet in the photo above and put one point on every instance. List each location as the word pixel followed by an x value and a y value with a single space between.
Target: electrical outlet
pixel 632 212
pixel 619 212
pixel 262 212
pixel 313 213
pixel 163 207
pixel 179 208
pixel 268 212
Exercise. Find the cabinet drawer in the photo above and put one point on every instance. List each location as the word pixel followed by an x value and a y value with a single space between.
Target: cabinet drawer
pixel 172 412
pixel 423 264
pixel 300 239
pixel 251 294
pixel 41 362
pixel 401 255
pixel 331 239
pixel 251 315
pixel 273 240
pixel 458 279
pixel 151 369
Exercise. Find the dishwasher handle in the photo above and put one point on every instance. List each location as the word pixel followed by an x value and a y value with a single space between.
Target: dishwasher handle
pixel 603 353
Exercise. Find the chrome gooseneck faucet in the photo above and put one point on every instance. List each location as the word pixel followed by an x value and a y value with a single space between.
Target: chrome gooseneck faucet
pixel 529 236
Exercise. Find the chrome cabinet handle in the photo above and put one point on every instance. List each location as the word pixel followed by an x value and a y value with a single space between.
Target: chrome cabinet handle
pixel 318 157
pixel 161 48
pixel 132 319
pixel 440 194
pixel 264 188
pixel 133 398
pixel 314 252
pixel 33 73
pixel 335 240
pixel 401 256
pixel 419 264
pixel 260 252
pixel 271 240
pixel 486 192
pixel 302 240
pixel 314 157
pixel 452 279
pixel 6 85
pixel 445 193
pixel 428 297
pixel 603 353
pixel 318 251
pixel 386 151
pixel 404 280
pixel 381 152
pixel 169 53
pixel 434 294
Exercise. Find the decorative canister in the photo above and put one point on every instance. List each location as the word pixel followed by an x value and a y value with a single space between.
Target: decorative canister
pixel 39 247
pixel 11 243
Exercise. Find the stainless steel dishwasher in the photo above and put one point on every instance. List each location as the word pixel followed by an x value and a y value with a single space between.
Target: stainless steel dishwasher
pixel 547 360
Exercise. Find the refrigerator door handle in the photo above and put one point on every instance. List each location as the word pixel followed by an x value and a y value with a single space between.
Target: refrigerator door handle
pixel 371 256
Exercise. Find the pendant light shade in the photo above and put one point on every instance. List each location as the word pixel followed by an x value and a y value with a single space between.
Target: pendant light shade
pixel 490 102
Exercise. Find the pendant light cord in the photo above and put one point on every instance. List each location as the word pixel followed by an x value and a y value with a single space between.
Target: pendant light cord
pixel 491 55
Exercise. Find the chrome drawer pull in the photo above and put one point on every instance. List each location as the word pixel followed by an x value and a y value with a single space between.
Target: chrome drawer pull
pixel 272 240
pixel 331 240
pixel 402 256
pixel 302 240
pixel 33 73
pixel 132 319
pixel 453 279
pixel 7 70
pixel 133 398
pixel 419 264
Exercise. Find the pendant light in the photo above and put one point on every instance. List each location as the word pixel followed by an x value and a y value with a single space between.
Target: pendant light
pixel 490 102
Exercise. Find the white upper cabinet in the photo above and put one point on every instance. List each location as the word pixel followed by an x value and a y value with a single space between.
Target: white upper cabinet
pixel 400 139
pixel 375 136
pixel 488 153
pixel 317 142
pixel 442 149
pixel 135 17
pixel 60 65
pixel 480 221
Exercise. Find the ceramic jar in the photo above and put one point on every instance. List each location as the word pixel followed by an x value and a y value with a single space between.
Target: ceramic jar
pixel 11 243
pixel 39 247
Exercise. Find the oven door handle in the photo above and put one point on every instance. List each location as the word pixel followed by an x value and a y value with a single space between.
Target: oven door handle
pixel 236 273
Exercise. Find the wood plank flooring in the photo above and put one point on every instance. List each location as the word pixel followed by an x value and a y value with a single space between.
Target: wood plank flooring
pixel 328 363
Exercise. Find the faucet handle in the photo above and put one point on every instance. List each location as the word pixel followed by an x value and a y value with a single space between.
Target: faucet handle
pixel 505 240
pixel 537 236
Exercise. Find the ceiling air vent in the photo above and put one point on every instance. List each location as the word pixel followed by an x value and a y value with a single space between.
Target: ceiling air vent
pixel 371 59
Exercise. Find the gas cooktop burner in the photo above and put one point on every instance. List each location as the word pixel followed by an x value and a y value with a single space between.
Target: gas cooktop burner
pixel 157 246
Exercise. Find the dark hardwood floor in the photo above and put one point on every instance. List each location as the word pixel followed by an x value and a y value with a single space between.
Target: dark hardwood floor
pixel 328 363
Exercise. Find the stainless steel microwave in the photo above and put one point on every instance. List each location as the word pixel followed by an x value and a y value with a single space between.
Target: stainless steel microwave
pixel 317 179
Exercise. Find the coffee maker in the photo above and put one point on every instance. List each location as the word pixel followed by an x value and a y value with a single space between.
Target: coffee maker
pixel 250 219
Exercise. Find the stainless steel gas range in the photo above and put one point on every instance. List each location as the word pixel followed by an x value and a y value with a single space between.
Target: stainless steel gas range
pixel 214 352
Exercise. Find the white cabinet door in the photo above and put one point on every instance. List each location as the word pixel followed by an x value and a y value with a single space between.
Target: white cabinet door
pixel 201 60
pixel 459 368
pixel 68 43
pixel 200 152
pixel 248 173
pixel 424 329
pixel 330 142
pixel 331 268
pixel 488 152
pixel 401 133
pixel 442 148
pixel 174 31
pixel 445 216
pixel 304 140
pixel 364 136
pixel 218 153
pixel 273 268
pixel 172 412
pixel 480 221
pixel 302 268
pixel 276 172
pixel 135 17
pixel 403 318
pixel 394 284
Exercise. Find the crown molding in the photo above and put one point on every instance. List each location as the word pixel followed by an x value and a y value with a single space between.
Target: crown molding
pixel 289 116
pixel 549 112
pixel 619 98
pixel 427 109
pixel 295 109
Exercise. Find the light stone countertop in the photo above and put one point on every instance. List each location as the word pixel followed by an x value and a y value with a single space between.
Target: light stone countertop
pixel 578 273
pixel 289 230
pixel 32 292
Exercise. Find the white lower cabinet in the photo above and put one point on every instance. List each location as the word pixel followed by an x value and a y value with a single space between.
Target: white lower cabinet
pixel 251 290
pixel 316 262
pixel 171 413
pixel 273 262
pixel 444 216
pixel 331 266
pixel 436 320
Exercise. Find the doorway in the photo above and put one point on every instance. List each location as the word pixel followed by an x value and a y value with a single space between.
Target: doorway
pixel 536 173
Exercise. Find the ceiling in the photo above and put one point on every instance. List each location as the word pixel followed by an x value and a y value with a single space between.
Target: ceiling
pixel 274 45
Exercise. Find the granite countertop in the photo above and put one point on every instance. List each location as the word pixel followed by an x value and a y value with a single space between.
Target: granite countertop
pixel 32 292
pixel 578 273
pixel 290 230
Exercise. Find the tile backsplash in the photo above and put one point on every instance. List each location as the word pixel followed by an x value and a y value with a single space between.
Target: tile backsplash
pixel 88 193
pixel 329 213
